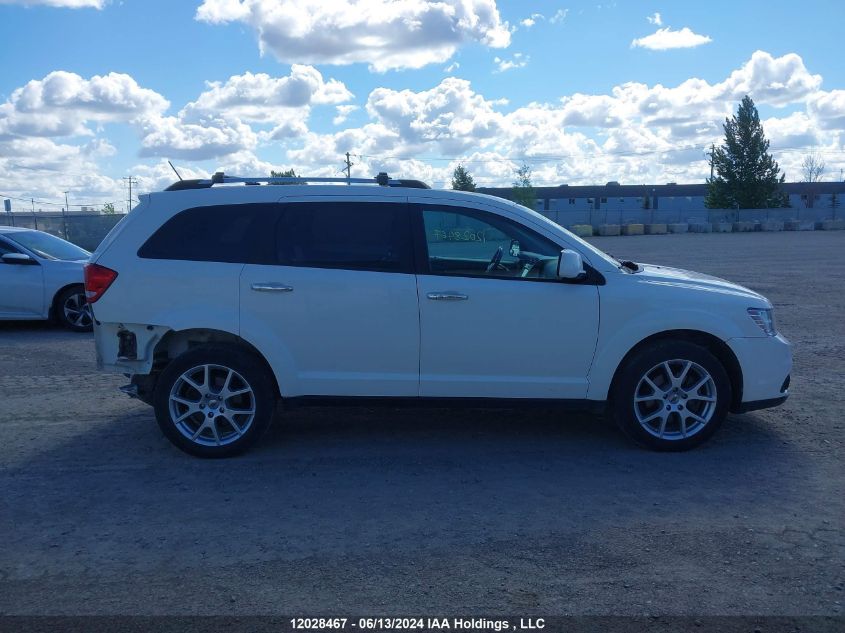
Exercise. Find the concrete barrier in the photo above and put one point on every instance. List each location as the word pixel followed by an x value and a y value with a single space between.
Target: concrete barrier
pixel 678 227
pixel 771 225
pixel 633 229
pixel 655 229
pixel 700 227
pixel 582 230
pixel 743 227
pixel 723 227
pixel 831 225
pixel 807 226
pixel 608 229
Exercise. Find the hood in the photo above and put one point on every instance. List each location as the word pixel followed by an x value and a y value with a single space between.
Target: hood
pixel 690 280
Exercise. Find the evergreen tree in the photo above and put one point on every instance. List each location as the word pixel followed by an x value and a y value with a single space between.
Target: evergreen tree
pixel 287 173
pixel 523 192
pixel 462 180
pixel 747 177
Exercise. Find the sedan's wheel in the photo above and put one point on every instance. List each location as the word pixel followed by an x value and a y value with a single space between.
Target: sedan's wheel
pixel 671 396
pixel 214 401
pixel 73 310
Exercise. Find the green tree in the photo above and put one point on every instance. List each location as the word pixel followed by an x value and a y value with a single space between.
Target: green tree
pixel 462 180
pixel 747 177
pixel 287 173
pixel 523 191
pixel 108 208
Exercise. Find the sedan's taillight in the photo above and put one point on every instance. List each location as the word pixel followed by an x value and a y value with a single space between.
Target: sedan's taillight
pixel 97 281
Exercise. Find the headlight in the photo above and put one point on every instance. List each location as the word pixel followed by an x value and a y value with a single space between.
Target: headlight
pixel 764 318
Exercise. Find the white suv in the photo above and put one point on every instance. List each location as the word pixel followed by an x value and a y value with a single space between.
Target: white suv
pixel 220 299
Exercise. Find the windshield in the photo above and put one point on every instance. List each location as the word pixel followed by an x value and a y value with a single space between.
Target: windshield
pixel 48 246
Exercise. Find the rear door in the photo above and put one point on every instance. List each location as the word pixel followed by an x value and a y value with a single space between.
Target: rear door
pixel 336 309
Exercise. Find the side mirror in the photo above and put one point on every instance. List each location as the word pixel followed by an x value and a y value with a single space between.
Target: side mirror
pixel 18 258
pixel 570 265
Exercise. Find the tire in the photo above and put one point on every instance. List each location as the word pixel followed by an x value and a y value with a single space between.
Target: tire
pixel 73 311
pixel 192 414
pixel 643 396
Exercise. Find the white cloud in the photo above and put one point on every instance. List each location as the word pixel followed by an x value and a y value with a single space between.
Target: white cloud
pixel 343 112
pixel 667 38
pixel 637 133
pixel 195 139
pixel 559 16
pixel 531 20
pixel 828 109
pixel 518 61
pixel 386 34
pixel 62 103
pixel 452 67
pixel 655 19
pixel 261 97
pixel 69 4
pixel 634 133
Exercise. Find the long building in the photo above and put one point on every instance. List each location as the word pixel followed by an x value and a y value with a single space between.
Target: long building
pixel 683 201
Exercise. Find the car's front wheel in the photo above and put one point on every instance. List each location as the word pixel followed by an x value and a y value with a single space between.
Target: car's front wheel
pixel 73 311
pixel 671 396
pixel 214 401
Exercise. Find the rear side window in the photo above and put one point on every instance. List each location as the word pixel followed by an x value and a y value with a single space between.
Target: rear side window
pixel 222 233
pixel 354 235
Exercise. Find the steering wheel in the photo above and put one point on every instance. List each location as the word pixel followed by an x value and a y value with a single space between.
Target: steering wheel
pixel 497 257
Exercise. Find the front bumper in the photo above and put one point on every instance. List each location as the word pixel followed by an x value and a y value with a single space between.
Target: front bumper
pixel 766 363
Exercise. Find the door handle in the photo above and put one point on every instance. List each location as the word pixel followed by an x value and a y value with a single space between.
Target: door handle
pixel 271 286
pixel 447 296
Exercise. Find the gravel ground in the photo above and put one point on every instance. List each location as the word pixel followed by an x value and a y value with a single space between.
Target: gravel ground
pixel 359 511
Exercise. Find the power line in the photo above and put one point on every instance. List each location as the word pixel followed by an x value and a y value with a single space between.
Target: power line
pixel 33 201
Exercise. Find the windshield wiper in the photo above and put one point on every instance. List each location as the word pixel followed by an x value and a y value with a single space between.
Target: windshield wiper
pixel 627 264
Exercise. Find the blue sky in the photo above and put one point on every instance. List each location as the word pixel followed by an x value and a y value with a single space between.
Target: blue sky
pixel 589 92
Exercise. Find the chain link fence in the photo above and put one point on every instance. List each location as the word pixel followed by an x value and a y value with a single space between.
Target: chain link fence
pixel 83 229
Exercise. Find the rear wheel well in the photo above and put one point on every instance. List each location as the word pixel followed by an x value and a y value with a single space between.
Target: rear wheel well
pixel 713 344
pixel 176 342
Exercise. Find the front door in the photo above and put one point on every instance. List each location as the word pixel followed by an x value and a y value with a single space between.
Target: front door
pixel 495 321
pixel 337 311
pixel 21 287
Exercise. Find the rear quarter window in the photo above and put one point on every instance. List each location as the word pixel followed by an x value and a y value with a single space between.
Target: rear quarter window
pixel 236 233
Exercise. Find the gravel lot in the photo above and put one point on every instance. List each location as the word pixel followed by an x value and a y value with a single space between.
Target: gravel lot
pixel 374 512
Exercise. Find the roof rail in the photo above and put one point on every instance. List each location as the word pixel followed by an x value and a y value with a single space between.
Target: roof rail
pixel 219 178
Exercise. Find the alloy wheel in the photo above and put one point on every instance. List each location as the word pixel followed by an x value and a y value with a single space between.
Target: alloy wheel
pixel 212 405
pixel 77 311
pixel 675 399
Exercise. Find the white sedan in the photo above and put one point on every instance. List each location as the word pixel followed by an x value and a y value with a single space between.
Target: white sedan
pixel 41 278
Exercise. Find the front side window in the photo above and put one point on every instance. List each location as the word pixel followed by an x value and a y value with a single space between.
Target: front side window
pixel 5 248
pixel 468 242
pixel 372 236
pixel 221 233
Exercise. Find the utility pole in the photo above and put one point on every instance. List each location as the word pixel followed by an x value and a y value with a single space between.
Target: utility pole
pixel 349 164
pixel 64 216
pixel 131 180
pixel 712 151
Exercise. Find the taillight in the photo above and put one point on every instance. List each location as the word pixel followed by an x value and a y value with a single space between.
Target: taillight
pixel 97 281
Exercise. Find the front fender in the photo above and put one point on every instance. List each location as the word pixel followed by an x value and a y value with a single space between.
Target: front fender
pixel 619 333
